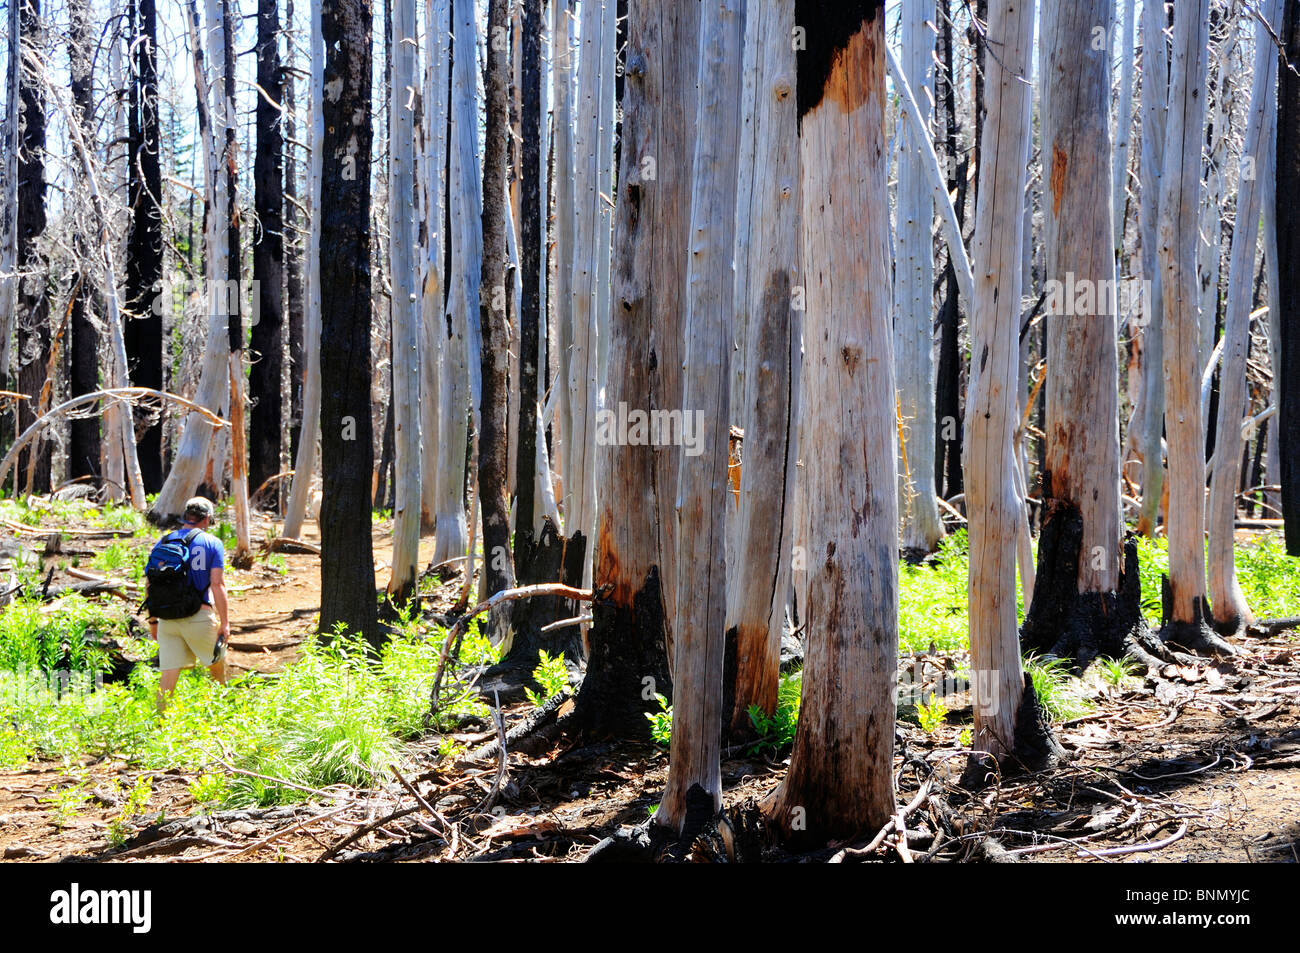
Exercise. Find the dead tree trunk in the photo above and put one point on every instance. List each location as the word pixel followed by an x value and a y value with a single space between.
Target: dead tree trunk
pixel 243 555
pixel 914 297
pixel 1155 85
pixel 628 661
pixel 347 562
pixel 9 215
pixel 457 374
pixel 266 419
pixel 767 272
pixel 1177 238
pixel 1227 602
pixel 144 243
pixel 305 459
pixel 295 243
pixel 704 490
pixel 1287 382
pixel 191 456
pixel 493 448
pixel 33 318
pixel 433 179
pixel 83 344
pixel 1077 611
pixel 840 782
pixel 1123 127
pixel 406 357
pixel 1007 722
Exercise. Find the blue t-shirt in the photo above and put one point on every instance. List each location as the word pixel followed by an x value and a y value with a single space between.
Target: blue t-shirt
pixel 206 553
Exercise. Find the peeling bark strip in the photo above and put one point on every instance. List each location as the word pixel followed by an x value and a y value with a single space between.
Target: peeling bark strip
pixel 629 638
pixel 826 30
pixel 840 782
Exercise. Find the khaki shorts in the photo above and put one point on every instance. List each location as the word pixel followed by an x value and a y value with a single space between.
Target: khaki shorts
pixel 182 642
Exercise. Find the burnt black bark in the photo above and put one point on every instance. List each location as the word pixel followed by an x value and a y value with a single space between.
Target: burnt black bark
pixel 1080 627
pixel 83 339
pixel 296 312
pixel 143 329
pixel 615 696
pixel 33 318
pixel 493 454
pixel 347 450
pixel 533 562
pixel 266 417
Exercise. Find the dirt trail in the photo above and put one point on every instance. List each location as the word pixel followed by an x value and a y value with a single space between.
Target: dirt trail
pixel 269 619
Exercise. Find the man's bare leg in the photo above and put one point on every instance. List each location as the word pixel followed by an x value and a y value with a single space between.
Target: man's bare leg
pixel 166 684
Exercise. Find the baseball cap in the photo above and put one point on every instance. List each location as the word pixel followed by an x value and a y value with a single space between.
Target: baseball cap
pixel 198 507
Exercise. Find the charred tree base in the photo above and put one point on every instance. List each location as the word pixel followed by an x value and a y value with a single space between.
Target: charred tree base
pixel 1034 747
pixel 1080 627
pixel 627 667
pixel 1195 636
pixel 554 559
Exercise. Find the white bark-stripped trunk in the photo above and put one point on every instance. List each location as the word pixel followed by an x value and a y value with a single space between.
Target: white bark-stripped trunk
pixel 120 423
pixel 914 296
pixel 235 401
pixel 405 304
pixel 1210 252
pixel 767 271
pixel 1082 420
pixel 457 376
pixel 993 504
pixel 936 176
pixel 111 450
pixel 1123 126
pixel 1177 241
pixel 191 457
pixel 840 782
pixel 308 451
pixel 433 170
pixel 605 227
pixel 699 610
pixel 1155 83
pixel 1272 446
pixel 563 57
pixel 1228 603
pixel 594 129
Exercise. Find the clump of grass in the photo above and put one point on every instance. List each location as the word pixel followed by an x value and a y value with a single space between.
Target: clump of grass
pixel 1057 690
pixel 1116 671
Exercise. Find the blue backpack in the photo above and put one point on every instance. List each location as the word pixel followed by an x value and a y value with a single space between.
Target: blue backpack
pixel 170 593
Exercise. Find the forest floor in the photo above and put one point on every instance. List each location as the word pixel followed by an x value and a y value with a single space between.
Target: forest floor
pixel 1196 764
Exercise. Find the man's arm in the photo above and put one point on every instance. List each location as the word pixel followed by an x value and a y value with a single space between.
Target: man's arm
pixel 217 582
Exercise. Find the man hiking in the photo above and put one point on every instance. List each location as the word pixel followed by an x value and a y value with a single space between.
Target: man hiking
pixel 186 597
